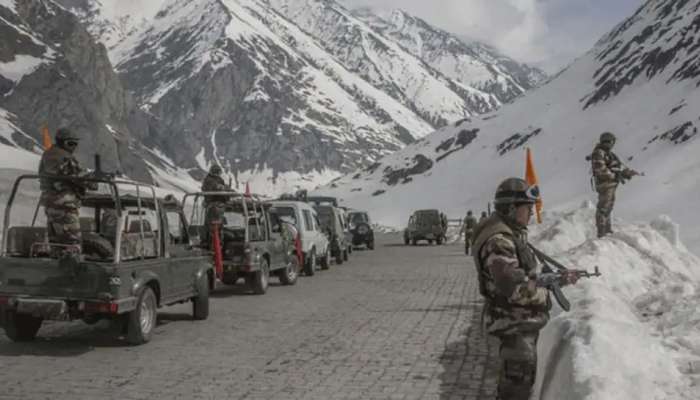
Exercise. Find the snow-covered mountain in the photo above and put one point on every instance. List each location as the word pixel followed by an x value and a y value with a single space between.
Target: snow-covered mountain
pixel 281 92
pixel 640 82
pixel 473 64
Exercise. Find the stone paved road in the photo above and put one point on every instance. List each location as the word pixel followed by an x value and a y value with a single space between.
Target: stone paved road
pixel 394 323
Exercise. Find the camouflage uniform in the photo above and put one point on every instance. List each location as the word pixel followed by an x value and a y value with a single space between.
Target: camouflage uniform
pixel 483 217
pixel 61 199
pixel 214 205
pixel 469 225
pixel 515 309
pixel 608 173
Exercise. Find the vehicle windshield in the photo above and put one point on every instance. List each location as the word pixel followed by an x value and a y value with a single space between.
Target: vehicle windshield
pixel 428 217
pixel 358 218
pixel 286 214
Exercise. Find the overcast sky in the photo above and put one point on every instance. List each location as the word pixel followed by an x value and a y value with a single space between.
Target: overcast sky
pixel 545 33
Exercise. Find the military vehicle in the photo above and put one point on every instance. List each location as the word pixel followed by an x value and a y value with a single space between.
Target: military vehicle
pixel 251 245
pixel 429 225
pixel 361 229
pixel 332 220
pixel 135 256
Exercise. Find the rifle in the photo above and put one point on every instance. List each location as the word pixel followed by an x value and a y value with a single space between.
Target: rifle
pixel 551 279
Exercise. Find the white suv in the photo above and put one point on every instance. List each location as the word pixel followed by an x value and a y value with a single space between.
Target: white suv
pixel 314 243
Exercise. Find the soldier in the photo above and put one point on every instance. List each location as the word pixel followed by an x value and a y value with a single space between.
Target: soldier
pixel 214 205
pixel 62 199
pixel 469 225
pixel 515 308
pixel 608 173
pixel 483 217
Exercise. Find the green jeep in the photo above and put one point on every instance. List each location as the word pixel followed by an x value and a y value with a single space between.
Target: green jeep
pixel 135 256
pixel 251 238
pixel 429 225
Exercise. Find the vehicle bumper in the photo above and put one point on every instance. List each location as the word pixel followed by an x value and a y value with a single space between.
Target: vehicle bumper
pixel 64 309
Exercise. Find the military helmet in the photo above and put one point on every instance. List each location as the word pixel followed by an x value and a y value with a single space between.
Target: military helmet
pixel 607 137
pixel 64 134
pixel 516 191
pixel 215 170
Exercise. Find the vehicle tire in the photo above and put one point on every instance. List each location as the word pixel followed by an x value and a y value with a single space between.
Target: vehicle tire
pixel 326 260
pixel 370 245
pixel 406 241
pixel 21 327
pixel 288 276
pixel 350 249
pixel 258 281
pixel 414 242
pixel 200 303
pixel 142 320
pixel 346 257
pixel 94 244
pixel 340 257
pixel 439 241
pixel 430 242
pixel 310 263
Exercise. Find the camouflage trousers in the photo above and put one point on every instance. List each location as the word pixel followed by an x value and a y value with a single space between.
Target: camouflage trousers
pixel 467 241
pixel 63 225
pixel 606 202
pixel 518 358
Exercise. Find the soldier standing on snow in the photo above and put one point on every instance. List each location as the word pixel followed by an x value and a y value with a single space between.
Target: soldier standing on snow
pixel 469 225
pixel 515 308
pixel 62 198
pixel 214 205
pixel 608 173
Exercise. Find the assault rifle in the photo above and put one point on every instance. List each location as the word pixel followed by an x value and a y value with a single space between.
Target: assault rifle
pixel 551 279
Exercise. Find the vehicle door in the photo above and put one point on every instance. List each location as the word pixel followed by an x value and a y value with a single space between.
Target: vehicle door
pixel 181 259
pixel 322 240
pixel 309 233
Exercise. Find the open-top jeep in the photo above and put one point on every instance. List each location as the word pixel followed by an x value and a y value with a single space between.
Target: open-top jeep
pixel 250 239
pixel 135 256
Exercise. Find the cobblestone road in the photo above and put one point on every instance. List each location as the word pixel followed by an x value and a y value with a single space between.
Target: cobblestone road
pixel 394 323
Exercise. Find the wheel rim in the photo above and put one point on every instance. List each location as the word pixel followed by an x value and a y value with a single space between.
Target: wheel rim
pixel 148 313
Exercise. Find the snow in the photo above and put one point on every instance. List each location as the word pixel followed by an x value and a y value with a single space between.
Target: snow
pixel 632 333
pixel 11 154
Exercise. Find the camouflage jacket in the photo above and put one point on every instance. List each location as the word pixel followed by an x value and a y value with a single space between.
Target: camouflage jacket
pixel 469 224
pixel 606 166
pixel 213 183
pixel 507 270
pixel 57 193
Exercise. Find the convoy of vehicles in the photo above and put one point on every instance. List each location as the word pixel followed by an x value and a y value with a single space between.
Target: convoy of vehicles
pixel 140 252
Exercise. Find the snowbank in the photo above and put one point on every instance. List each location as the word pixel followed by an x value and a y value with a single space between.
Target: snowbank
pixel 632 333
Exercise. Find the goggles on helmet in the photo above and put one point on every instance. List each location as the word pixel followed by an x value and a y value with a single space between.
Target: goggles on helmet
pixel 527 196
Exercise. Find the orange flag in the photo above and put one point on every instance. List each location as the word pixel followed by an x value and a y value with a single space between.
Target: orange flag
pixel 247 190
pixel 46 137
pixel 531 178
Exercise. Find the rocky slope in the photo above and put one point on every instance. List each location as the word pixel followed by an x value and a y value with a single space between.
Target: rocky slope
pixel 52 72
pixel 640 81
pixel 275 91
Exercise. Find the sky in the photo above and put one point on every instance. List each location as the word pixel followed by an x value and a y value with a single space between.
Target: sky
pixel 545 33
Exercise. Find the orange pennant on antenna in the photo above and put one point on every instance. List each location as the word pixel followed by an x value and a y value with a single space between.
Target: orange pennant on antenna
pixel 46 137
pixel 531 178
pixel 247 190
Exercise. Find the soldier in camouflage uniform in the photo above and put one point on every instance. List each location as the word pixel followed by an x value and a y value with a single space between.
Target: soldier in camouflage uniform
pixel 515 308
pixel 214 205
pixel 483 217
pixel 469 225
pixel 608 173
pixel 62 199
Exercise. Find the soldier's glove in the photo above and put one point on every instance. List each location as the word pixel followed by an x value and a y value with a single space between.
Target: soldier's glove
pixel 628 173
pixel 620 177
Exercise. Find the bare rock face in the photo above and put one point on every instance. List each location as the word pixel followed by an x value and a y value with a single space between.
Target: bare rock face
pixel 69 82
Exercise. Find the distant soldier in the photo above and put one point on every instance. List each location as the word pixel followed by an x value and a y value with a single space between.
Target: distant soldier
pixel 62 198
pixel 469 225
pixel 483 217
pixel 515 308
pixel 608 173
pixel 214 205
